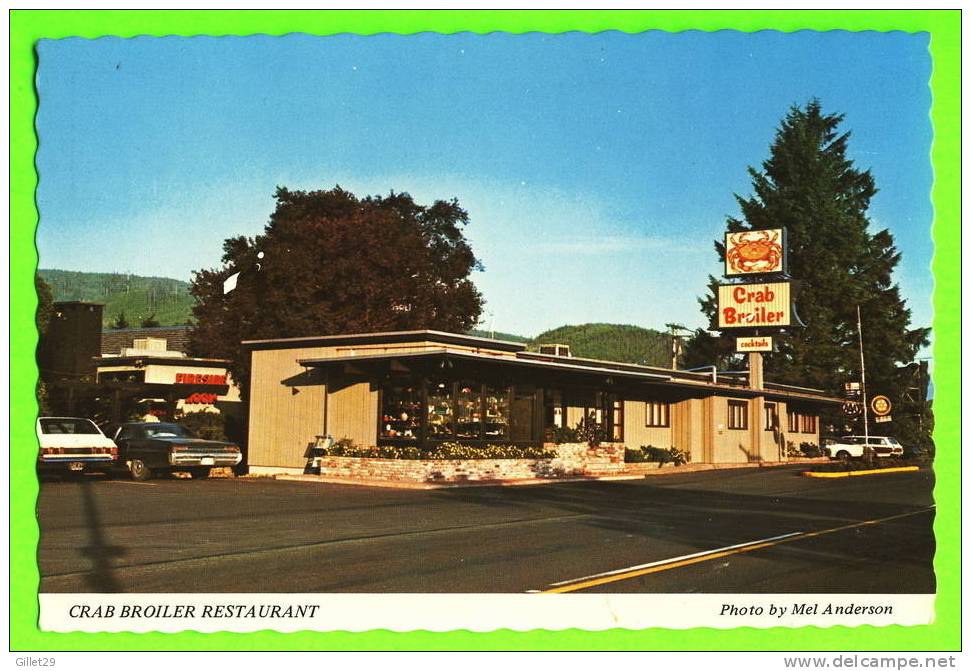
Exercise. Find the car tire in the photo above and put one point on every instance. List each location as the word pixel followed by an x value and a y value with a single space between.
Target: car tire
pixel 843 455
pixel 139 470
pixel 200 473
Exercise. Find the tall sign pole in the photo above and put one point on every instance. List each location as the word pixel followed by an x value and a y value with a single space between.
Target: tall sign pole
pixel 866 424
pixel 755 304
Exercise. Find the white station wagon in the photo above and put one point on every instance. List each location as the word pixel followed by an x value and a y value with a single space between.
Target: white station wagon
pixel 852 447
pixel 73 445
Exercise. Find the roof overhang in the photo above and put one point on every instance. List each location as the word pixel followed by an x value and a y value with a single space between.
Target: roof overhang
pixel 499 360
pixel 388 337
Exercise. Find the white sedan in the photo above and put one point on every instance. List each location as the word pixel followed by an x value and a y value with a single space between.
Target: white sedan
pixel 73 445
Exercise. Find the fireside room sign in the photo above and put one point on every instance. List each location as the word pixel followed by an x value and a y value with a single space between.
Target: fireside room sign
pixel 754 305
pixel 755 252
pixel 756 344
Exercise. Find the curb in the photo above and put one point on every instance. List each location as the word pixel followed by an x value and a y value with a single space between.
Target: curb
pixel 853 474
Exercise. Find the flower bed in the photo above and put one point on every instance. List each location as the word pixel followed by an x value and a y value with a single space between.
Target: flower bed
pixel 563 461
pixel 442 451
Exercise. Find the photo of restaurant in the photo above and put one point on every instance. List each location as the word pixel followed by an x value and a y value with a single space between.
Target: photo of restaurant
pixel 422 388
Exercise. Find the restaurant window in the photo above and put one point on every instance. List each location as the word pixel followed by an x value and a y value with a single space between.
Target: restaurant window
pixel 809 424
pixel 793 422
pixel 554 413
pixel 617 420
pixel 440 418
pixel 496 413
pixel 771 417
pixel 468 410
pixel 738 414
pixel 657 414
pixel 400 412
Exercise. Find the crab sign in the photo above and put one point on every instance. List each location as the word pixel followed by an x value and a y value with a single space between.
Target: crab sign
pixel 753 252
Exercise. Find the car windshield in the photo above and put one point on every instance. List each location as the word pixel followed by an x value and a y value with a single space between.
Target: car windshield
pixel 61 425
pixel 166 431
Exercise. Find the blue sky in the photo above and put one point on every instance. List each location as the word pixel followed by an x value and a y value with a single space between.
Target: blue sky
pixel 596 169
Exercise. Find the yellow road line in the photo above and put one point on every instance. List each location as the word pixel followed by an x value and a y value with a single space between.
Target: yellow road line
pixel 717 554
pixel 853 474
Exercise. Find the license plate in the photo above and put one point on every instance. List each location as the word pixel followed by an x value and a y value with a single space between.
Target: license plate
pixel 207 461
pixel 76 466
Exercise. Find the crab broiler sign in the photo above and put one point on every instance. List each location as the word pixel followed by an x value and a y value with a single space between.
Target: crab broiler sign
pixel 765 304
pixel 755 252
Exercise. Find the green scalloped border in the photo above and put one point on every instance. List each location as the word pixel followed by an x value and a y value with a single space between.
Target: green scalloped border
pixel 944 27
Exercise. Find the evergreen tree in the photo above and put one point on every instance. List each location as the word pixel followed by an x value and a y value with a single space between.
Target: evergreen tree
pixel 121 322
pixel 810 187
pixel 45 303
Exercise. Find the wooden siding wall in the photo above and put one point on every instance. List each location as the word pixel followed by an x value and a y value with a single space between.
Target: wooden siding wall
pixel 687 429
pixel 731 446
pixel 352 412
pixel 638 434
pixel 773 442
pixel 287 404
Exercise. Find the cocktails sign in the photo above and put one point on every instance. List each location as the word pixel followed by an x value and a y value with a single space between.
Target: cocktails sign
pixel 755 252
pixel 756 344
pixel 754 305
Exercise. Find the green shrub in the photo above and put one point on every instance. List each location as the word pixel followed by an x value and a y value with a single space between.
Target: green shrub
pixel 811 450
pixel 562 434
pixel 207 425
pixel 590 431
pixel 661 455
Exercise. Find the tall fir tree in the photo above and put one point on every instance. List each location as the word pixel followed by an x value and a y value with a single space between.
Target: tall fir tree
pixel 810 187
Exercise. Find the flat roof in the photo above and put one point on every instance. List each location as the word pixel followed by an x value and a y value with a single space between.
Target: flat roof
pixel 390 337
pixel 156 360
pixel 476 356
pixel 564 364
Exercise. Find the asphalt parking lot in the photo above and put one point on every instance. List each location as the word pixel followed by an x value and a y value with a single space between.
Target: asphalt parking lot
pixel 735 531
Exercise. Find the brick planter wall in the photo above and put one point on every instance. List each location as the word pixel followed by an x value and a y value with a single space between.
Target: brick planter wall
pixel 571 460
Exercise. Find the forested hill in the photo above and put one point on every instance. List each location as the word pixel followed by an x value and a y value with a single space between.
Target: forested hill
pixel 171 304
pixel 138 297
pixel 612 342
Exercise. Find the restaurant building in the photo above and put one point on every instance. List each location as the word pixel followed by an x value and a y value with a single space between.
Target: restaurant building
pixel 422 388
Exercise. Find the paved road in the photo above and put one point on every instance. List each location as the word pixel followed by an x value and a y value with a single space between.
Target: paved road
pixel 259 535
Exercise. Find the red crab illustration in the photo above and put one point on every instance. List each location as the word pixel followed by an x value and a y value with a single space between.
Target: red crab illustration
pixel 754 252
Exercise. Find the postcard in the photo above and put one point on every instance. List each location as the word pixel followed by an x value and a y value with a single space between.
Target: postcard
pixel 628 329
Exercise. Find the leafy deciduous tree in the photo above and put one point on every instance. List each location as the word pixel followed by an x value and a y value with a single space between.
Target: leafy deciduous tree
pixel 329 262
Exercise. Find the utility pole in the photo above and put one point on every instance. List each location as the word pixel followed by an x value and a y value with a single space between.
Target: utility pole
pixel 866 423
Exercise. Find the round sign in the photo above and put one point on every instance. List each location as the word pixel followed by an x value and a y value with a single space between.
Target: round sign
pixel 880 405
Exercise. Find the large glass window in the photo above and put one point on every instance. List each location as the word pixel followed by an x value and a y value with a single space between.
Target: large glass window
pixel 400 412
pixel 771 417
pixel 468 410
pixel 554 412
pixel 793 422
pixel 809 424
pixel 737 414
pixel 440 422
pixel 657 414
pixel 496 412
pixel 617 420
